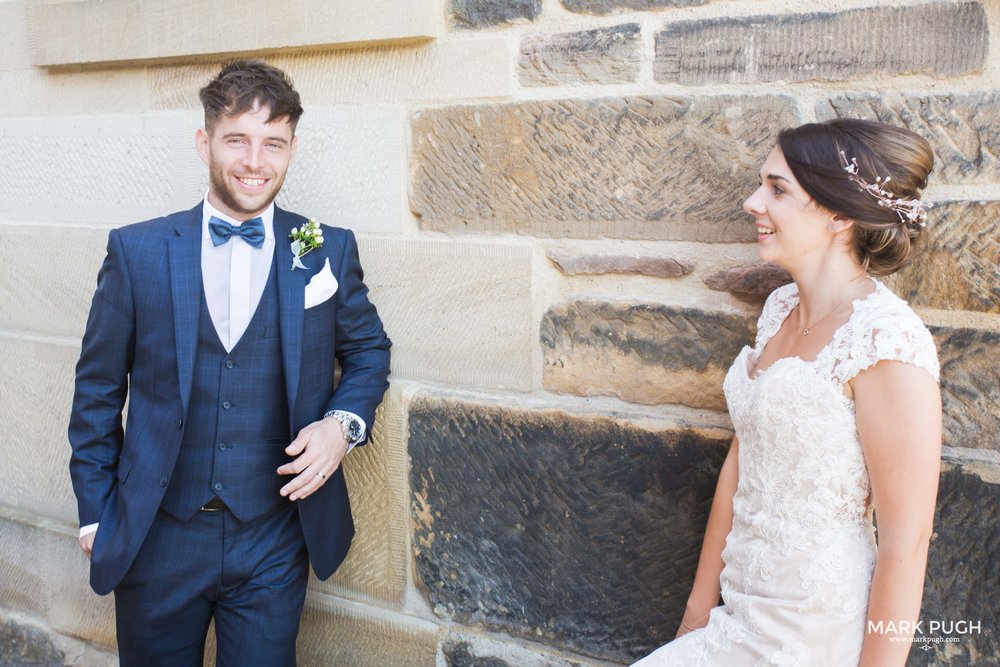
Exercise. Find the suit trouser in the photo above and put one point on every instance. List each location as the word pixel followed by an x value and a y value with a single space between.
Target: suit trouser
pixel 250 577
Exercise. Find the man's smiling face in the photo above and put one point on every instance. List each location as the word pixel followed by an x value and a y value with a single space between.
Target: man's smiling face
pixel 247 158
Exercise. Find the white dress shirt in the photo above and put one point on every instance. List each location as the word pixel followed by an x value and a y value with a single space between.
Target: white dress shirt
pixel 234 276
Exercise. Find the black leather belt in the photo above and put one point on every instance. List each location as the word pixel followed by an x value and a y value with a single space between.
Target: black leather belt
pixel 214 505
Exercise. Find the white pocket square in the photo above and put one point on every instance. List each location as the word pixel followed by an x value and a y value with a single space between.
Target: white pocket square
pixel 322 286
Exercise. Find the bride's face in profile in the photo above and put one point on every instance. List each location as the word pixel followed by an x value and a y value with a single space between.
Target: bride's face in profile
pixel 789 223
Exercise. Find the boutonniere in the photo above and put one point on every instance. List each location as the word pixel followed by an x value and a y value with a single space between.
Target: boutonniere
pixel 304 241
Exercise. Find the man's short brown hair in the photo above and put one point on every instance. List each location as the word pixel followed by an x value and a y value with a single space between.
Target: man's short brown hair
pixel 244 85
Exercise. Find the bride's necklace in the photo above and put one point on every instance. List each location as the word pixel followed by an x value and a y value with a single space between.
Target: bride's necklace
pixel 808 328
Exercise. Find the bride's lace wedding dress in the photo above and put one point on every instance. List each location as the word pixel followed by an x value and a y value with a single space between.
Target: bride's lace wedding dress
pixel 801 553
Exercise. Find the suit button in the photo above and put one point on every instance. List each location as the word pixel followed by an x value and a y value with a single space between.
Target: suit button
pixel 163 481
pixel 180 423
pixel 226 405
pixel 217 486
pixel 222 446
pixel 229 363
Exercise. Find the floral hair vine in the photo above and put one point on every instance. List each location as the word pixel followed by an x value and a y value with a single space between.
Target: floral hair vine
pixel 911 211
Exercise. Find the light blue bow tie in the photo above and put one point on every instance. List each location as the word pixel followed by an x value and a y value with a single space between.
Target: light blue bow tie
pixel 251 231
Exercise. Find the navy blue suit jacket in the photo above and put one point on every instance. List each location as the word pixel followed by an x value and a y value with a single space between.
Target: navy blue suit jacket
pixel 140 343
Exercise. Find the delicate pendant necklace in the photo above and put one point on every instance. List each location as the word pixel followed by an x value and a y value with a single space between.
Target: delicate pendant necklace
pixel 809 328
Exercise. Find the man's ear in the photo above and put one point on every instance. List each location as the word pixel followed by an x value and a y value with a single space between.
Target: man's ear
pixel 201 140
pixel 295 147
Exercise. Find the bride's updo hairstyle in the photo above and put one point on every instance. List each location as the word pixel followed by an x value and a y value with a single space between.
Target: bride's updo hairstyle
pixel 888 215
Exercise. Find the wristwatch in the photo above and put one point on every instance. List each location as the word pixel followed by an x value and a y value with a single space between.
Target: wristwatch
pixel 351 424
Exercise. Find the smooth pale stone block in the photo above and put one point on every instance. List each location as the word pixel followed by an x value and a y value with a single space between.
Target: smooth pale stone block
pixel 457 312
pixel 14 46
pixel 344 633
pixel 472 68
pixel 87 31
pixel 38 92
pixel 23 586
pixel 114 170
pixel 377 483
pixel 348 169
pixel 35 399
pixel 48 275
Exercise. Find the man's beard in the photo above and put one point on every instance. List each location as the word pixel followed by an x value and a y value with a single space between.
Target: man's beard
pixel 222 189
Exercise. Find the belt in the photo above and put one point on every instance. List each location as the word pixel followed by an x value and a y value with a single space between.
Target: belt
pixel 214 505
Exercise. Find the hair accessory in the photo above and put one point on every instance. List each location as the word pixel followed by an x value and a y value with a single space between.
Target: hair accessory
pixel 912 211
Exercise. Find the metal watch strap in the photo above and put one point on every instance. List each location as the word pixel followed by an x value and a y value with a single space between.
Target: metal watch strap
pixel 350 424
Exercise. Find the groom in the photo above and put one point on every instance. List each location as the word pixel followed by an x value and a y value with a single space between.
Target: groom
pixel 226 481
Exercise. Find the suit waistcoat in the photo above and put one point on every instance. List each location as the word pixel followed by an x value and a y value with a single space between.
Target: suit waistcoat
pixel 237 421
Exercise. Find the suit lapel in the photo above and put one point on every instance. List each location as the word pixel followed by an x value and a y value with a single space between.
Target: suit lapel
pixel 184 250
pixel 291 305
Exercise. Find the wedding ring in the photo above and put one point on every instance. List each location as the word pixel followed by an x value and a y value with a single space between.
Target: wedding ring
pixel 322 475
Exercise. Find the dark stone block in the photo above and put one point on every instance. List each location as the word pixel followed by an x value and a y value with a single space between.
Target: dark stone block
pixel 26 645
pixel 751 283
pixel 573 264
pixel 459 654
pixel 486 13
pixel 582 532
pixel 970 386
pixel 642 353
pixel 602 55
pixel 953 39
pixel 963 572
pixel 608 6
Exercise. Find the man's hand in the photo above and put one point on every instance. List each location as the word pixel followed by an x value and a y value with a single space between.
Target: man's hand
pixel 87 543
pixel 319 448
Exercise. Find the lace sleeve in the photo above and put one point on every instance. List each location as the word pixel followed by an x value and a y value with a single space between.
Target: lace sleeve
pixel 779 303
pixel 892 333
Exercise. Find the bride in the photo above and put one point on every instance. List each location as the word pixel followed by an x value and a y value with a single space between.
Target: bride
pixel 837 414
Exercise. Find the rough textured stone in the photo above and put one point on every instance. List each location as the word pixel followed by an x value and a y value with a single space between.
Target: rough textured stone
pixel 580 532
pixel 616 167
pixel 963 128
pixel 376 479
pixel 27 645
pixel 970 387
pixel 467 650
pixel 35 398
pixel 47 277
pixel 602 55
pixel 642 353
pixel 486 13
pixel 751 283
pixel 457 313
pixel 608 6
pixel 431 71
pixel 14 47
pixel 963 571
pixel 857 43
pixel 336 632
pixel 573 264
pixel 67 32
pixel 957 264
pixel 48 93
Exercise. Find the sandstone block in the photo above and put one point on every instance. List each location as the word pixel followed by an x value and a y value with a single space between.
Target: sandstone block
pixel 751 283
pixel 939 39
pixel 602 55
pixel 14 47
pixel 73 31
pixel 457 313
pixel 35 398
pixel 615 167
pixel 970 386
pixel 608 6
pixel 23 589
pixel 49 275
pixel 582 532
pixel 642 353
pixel 963 567
pixel 27 645
pixel 40 92
pixel 576 265
pixel 487 13
pixel 428 71
pixel 467 650
pixel 376 479
pixel 963 128
pixel 343 633
pixel 957 264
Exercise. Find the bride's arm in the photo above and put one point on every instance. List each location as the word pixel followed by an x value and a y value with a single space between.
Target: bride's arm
pixel 899 421
pixel 705 592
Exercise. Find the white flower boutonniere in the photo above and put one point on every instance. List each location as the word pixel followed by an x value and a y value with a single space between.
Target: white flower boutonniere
pixel 304 241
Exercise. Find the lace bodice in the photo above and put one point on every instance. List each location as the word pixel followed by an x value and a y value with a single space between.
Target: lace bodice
pixel 800 556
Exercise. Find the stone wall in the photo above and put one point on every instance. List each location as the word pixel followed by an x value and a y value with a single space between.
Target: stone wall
pixel 547 197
